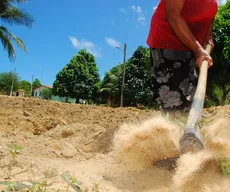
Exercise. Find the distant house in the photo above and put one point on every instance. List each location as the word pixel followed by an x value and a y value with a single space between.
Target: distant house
pixel 38 90
pixel 20 93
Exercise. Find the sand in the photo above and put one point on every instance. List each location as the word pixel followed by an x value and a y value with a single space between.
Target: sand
pixel 108 149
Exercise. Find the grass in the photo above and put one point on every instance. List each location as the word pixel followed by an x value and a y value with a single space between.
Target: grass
pixel 225 166
pixel 14 150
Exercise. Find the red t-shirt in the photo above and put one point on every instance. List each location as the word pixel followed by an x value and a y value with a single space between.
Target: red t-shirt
pixel 198 14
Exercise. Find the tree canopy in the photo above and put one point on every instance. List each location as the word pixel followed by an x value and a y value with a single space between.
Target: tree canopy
pixel 79 78
pixel 108 85
pixel 36 83
pixel 6 79
pixel 26 86
pixel 138 86
pixel 46 94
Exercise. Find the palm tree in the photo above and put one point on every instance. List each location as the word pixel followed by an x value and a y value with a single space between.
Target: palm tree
pixel 11 14
pixel 108 86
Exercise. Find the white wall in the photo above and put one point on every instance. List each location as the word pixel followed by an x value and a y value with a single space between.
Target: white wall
pixel 37 92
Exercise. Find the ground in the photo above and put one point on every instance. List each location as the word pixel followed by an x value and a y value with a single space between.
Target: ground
pixel 84 141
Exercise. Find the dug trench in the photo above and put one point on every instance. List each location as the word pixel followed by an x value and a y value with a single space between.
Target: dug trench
pixel 108 149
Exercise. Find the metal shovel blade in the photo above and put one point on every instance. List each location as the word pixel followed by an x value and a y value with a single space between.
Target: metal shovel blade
pixel 192 141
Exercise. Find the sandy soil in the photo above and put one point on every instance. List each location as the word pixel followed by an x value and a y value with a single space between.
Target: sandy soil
pixel 108 149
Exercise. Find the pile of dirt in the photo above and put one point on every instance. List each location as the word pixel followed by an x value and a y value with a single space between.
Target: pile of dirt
pixel 91 127
pixel 108 149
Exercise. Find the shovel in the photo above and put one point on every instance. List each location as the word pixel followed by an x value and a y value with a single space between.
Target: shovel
pixel 192 140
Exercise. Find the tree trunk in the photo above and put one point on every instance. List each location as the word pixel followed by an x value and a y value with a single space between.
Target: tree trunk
pixel 66 99
pixel 110 101
pixel 77 100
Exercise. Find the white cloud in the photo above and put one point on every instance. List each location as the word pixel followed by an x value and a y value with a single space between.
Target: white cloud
pixel 85 44
pixel 140 16
pixel 137 9
pixel 112 42
pixel 123 10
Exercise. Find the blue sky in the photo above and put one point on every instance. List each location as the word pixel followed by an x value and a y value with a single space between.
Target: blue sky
pixel 62 29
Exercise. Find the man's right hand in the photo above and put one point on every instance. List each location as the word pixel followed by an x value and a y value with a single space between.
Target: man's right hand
pixel 202 55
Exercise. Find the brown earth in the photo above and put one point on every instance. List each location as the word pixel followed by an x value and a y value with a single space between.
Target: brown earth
pixel 80 139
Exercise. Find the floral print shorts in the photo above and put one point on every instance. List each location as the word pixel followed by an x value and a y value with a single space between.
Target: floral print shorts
pixel 175 78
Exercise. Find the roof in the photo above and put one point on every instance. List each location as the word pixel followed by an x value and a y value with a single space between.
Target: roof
pixel 46 86
pixel 21 90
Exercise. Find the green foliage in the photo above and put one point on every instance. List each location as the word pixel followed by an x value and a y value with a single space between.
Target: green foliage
pixel 42 186
pixel 61 84
pixel 225 166
pixel 35 85
pixel 46 93
pixel 11 14
pixel 79 78
pixel 26 86
pixel 6 79
pixel 218 88
pixel 14 186
pixel 138 86
pixel 18 186
pixel 109 83
pixel 34 186
pixel 72 181
pixel 14 150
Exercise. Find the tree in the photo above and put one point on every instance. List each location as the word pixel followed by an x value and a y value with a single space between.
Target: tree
pixel 36 84
pixel 109 83
pixel 11 14
pixel 138 86
pixel 61 84
pixel 26 86
pixel 6 80
pixel 79 78
pixel 46 94
pixel 218 87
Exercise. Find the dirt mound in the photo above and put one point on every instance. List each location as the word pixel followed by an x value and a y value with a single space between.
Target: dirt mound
pixel 79 139
pixel 95 125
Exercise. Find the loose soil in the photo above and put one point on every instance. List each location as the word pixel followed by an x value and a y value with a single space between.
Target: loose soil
pixel 108 149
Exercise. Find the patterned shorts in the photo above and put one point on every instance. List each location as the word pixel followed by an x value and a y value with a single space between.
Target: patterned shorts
pixel 174 79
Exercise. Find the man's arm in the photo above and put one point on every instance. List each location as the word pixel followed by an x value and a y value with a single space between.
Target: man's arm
pixel 173 10
pixel 208 38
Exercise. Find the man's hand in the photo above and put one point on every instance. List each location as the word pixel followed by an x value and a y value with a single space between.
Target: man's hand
pixel 202 55
pixel 208 41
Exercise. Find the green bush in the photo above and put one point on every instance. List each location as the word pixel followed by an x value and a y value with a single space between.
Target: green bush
pixel 46 94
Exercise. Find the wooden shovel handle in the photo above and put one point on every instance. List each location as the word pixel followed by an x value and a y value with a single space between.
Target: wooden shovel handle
pixel 199 97
pixel 208 48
